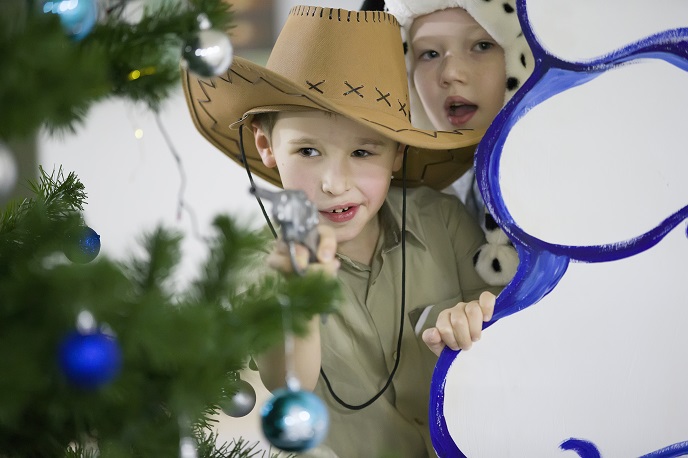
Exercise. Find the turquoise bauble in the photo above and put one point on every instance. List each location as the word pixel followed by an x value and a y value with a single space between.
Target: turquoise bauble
pixel 76 16
pixel 294 420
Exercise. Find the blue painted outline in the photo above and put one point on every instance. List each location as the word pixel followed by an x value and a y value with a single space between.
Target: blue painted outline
pixel 543 264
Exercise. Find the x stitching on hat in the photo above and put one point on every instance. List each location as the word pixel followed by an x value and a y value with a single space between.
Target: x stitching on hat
pixel 353 89
pixel 315 86
pixel 383 97
pixel 402 107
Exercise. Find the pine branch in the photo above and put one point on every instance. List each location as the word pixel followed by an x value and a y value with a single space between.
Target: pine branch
pixel 46 79
pixel 153 273
pixel 63 78
pixel 179 350
pixel 229 262
pixel 47 217
pixel 239 448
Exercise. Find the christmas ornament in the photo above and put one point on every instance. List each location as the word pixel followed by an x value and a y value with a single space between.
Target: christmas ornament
pixel 240 403
pixel 76 16
pixel 187 445
pixel 209 52
pixel 82 245
pixel 294 420
pixel 8 171
pixel 89 357
pixel 187 448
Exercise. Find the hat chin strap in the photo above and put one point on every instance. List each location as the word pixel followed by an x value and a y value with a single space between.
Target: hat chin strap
pixel 403 307
pixel 403 279
pixel 250 180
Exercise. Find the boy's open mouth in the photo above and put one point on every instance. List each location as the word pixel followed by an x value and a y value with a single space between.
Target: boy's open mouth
pixel 340 210
pixel 459 113
pixel 461 109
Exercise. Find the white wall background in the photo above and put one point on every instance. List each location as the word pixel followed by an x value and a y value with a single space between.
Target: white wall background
pixel 135 184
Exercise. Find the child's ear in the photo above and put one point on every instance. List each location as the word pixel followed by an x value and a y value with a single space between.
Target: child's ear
pixel 263 145
pixel 399 158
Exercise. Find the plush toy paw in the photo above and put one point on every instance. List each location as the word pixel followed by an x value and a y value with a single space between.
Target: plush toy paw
pixel 497 260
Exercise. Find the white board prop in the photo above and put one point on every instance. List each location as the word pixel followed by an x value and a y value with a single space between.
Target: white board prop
pixel 586 170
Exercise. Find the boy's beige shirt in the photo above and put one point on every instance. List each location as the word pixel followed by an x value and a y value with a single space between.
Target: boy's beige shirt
pixel 359 340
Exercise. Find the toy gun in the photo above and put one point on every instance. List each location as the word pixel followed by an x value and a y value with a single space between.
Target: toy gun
pixel 297 218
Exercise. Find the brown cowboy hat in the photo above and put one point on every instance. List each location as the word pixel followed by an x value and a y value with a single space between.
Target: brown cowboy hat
pixel 345 62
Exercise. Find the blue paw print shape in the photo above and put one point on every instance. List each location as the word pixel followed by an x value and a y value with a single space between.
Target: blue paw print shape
pixel 586 170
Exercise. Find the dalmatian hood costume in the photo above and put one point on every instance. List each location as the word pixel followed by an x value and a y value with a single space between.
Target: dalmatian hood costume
pixel 496 261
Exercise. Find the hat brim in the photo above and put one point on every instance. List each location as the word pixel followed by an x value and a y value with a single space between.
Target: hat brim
pixel 222 106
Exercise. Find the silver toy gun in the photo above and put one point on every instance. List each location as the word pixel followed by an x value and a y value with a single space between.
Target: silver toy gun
pixel 298 220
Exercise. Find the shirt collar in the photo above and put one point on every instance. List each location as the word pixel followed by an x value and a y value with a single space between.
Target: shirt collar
pixel 390 225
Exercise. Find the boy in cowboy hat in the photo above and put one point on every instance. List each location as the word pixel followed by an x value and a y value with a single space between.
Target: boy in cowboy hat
pixel 465 59
pixel 329 116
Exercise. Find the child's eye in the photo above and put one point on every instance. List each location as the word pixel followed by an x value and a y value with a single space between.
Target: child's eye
pixel 361 153
pixel 428 55
pixel 309 152
pixel 483 46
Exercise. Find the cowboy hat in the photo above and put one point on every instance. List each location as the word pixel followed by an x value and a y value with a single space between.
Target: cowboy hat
pixel 346 62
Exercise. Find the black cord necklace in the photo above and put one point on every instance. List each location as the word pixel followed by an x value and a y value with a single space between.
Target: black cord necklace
pixel 403 279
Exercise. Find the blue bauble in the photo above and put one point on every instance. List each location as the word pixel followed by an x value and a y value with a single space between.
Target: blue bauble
pixel 294 421
pixel 90 360
pixel 76 16
pixel 82 245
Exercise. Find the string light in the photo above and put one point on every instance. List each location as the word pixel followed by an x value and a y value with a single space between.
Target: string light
pixel 138 73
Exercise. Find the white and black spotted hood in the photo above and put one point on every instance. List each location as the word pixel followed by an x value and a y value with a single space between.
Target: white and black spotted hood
pixel 497 17
pixel 496 261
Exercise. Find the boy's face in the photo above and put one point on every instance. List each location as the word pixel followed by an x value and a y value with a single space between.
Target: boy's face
pixel 458 70
pixel 344 168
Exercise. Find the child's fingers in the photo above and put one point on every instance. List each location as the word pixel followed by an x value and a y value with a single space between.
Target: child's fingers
pixel 487 304
pixel 331 267
pixel 327 247
pixel 432 339
pixel 452 325
pixel 474 317
pixel 279 258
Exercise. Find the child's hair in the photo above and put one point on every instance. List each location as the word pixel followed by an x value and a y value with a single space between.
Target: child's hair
pixel 267 121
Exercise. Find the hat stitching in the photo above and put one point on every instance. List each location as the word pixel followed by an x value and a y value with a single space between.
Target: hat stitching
pixel 315 85
pixel 353 89
pixel 383 97
pixel 433 134
pixel 402 107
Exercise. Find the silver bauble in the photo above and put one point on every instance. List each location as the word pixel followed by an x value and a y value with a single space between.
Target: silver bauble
pixel 242 402
pixel 208 53
pixel 8 171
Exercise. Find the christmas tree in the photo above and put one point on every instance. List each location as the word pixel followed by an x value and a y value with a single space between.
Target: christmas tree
pixel 103 357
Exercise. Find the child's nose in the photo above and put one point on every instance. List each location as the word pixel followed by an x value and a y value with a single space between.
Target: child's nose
pixel 453 69
pixel 336 178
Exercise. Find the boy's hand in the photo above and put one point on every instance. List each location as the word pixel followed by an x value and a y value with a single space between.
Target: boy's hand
pixel 461 325
pixel 279 258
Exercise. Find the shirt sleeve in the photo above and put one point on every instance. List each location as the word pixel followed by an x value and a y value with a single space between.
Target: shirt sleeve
pixel 467 237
